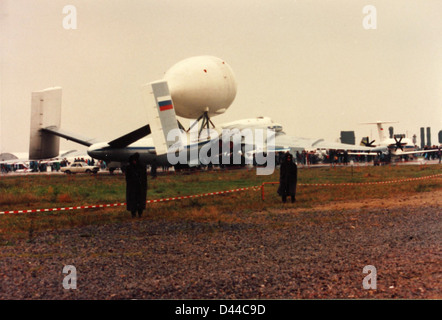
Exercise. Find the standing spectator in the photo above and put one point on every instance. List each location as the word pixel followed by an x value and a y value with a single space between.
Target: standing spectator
pixel 288 178
pixel 136 185
pixel 345 157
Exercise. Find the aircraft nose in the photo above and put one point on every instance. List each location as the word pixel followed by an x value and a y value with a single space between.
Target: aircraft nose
pixel 96 151
pixel 92 153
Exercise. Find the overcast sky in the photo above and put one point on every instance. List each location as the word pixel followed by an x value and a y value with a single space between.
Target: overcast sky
pixel 309 65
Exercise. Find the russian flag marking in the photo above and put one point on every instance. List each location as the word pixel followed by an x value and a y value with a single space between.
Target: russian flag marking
pixel 165 104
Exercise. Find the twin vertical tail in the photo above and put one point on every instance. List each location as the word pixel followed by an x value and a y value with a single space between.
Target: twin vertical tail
pixel 161 114
pixel 45 113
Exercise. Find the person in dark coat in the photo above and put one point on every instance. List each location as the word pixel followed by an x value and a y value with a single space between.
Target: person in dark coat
pixel 288 178
pixel 136 185
pixel 153 169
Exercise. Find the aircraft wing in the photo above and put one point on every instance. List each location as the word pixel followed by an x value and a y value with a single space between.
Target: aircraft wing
pixel 285 141
pixel 400 153
pixel 69 136
pixel 396 153
pixel 361 153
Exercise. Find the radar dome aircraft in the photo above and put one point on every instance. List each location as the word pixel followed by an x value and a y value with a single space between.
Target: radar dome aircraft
pixel 196 88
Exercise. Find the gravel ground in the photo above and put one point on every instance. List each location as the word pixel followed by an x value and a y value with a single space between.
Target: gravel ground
pixel 293 253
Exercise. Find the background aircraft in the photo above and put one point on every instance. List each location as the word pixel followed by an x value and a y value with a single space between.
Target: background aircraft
pixel 399 145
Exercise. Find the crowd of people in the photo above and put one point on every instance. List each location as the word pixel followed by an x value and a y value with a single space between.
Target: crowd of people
pixel 433 155
pixel 342 157
pixel 329 156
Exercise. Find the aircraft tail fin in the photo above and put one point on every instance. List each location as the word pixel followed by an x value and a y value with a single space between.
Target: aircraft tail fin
pixel 161 114
pixel 45 113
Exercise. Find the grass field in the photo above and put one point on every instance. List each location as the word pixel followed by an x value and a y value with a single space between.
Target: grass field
pixel 49 191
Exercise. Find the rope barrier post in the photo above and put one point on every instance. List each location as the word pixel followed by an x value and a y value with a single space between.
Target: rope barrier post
pixel 262 191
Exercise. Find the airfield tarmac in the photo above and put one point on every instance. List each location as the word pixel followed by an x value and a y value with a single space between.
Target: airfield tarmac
pixel 313 253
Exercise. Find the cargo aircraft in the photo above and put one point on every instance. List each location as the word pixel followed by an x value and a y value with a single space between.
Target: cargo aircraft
pixel 195 88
